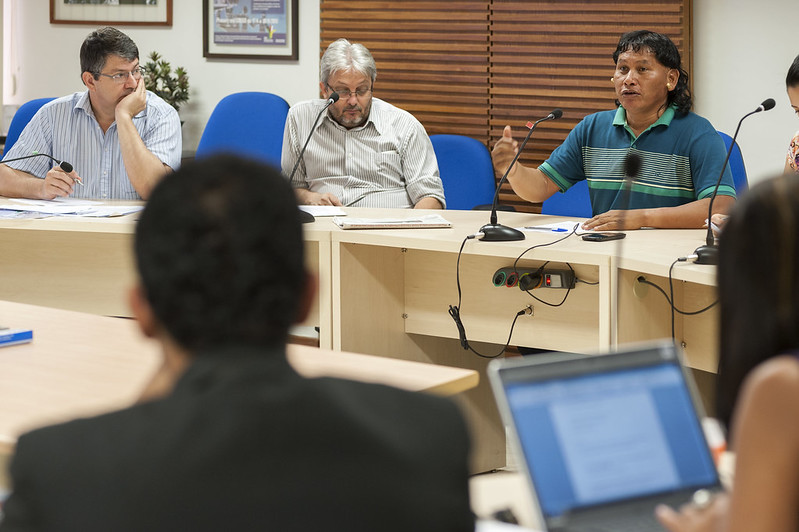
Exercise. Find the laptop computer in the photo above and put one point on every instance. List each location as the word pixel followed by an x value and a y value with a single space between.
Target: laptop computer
pixel 605 438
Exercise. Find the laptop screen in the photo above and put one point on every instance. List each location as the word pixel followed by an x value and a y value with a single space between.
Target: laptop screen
pixel 613 435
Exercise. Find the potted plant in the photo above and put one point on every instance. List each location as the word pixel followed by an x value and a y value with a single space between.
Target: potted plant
pixel 159 78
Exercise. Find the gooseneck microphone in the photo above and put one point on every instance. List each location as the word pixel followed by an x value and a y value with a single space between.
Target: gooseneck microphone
pixel 708 254
pixel 65 166
pixel 306 217
pixel 494 231
pixel 330 101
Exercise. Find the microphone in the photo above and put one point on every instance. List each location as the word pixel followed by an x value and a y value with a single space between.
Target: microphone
pixel 708 254
pixel 65 166
pixel 493 231
pixel 306 217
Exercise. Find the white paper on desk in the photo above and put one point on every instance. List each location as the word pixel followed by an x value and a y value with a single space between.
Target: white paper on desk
pixel 9 214
pixel 558 227
pixel 323 210
pixel 415 222
pixel 72 206
pixel 487 525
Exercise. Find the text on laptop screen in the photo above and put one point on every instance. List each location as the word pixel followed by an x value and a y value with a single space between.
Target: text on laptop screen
pixel 608 436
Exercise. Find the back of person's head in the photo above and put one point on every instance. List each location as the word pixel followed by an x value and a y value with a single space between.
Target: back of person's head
pixel 667 54
pixel 792 78
pixel 342 55
pixel 220 254
pixel 758 281
pixel 101 43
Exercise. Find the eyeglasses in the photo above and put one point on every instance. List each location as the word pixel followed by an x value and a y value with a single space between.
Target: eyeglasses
pixel 346 93
pixel 122 77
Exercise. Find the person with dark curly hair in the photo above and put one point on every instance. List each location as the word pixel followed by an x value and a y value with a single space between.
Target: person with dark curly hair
pixel 682 154
pixel 229 436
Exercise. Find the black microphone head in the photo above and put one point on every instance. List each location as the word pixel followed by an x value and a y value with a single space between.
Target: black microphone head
pixel 632 165
pixel 556 113
pixel 65 166
pixel 333 97
pixel 767 105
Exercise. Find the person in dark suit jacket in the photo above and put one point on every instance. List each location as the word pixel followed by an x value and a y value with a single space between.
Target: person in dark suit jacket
pixel 229 436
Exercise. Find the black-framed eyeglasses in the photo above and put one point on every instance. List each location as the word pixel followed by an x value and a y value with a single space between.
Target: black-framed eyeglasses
pixel 122 77
pixel 346 93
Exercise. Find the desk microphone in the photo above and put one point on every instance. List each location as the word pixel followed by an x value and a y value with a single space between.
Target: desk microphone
pixel 708 254
pixel 494 231
pixel 65 166
pixel 306 217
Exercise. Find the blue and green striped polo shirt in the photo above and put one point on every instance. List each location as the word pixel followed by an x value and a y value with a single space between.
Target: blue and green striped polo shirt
pixel 681 157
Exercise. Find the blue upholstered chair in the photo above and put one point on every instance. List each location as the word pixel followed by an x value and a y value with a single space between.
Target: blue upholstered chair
pixel 466 171
pixel 21 119
pixel 737 166
pixel 246 123
pixel 574 202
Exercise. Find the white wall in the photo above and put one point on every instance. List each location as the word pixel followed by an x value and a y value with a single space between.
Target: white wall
pixel 46 63
pixel 742 51
pixel 741 56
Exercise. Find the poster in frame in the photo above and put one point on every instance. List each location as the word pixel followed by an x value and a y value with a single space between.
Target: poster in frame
pixel 250 29
pixel 115 13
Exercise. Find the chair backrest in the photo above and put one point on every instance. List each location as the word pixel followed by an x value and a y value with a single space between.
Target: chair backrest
pixel 574 202
pixel 246 123
pixel 466 171
pixel 21 119
pixel 737 166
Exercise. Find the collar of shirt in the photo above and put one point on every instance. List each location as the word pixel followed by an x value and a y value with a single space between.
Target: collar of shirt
pixel 665 119
pixel 375 118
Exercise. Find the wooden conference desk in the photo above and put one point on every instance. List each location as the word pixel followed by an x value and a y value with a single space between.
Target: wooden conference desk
pixel 82 364
pixel 387 292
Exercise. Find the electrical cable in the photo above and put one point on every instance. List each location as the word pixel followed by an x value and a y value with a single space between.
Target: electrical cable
pixel 455 312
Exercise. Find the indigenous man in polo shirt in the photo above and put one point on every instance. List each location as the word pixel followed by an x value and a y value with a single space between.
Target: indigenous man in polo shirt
pixel 682 154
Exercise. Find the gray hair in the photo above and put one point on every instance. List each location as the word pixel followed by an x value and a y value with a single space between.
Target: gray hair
pixel 343 55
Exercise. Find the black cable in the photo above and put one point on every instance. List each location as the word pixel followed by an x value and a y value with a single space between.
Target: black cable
pixel 455 312
pixel 644 280
pixel 541 269
pixel 587 282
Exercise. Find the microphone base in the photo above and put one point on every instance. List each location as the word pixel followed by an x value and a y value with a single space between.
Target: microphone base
pixel 707 255
pixel 306 217
pixel 500 233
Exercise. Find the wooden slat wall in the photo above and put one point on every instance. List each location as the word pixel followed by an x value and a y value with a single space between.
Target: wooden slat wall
pixel 432 57
pixel 470 67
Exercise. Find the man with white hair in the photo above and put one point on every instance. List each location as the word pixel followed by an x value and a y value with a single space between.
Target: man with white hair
pixel 365 152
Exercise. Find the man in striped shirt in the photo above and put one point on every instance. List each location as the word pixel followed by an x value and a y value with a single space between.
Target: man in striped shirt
pixel 365 152
pixel 682 154
pixel 120 138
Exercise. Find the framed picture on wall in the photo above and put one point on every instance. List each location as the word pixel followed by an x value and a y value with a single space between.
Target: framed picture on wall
pixel 112 12
pixel 250 29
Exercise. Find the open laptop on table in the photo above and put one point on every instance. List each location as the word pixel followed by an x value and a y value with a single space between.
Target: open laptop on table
pixel 605 438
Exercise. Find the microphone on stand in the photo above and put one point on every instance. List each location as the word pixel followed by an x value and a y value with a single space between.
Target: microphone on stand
pixel 708 254
pixel 65 166
pixel 494 231
pixel 306 217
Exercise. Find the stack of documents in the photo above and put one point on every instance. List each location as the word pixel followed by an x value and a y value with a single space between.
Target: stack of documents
pixel 66 207
pixel 417 222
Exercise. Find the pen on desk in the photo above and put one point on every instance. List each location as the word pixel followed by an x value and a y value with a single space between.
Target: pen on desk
pixel 559 230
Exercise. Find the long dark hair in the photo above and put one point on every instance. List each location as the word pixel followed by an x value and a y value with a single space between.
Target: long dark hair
pixel 758 280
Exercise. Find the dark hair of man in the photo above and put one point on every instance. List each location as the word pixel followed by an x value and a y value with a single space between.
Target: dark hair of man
pixel 220 254
pixel 104 42
pixel 792 79
pixel 667 54
pixel 762 320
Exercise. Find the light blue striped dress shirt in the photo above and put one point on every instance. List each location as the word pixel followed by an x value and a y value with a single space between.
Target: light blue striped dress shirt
pixel 387 162
pixel 67 129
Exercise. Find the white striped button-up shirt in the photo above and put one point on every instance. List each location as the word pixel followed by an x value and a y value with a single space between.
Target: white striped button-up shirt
pixel 387 162
pixel 67 129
